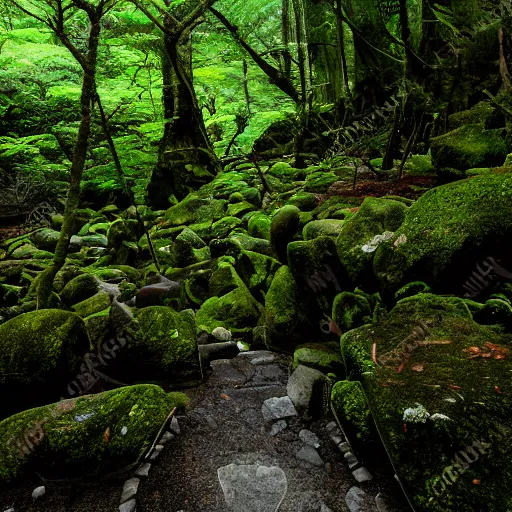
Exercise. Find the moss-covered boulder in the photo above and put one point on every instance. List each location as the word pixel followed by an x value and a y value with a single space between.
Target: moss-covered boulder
pixel 468 147
pixel 187 249
pixel 90 435
pixel 40 352
pixel 257 272
pixel 325 357
pixel 447 232
pixel 161 346
pixel 305 201
pixel 351 310
pixel 250 243
pixel 98 302
pixel 79 289
pixel 283 228
pixel 237 310
pixel 316 268
pixel 259 226
pixel 361 234
pixel 437 383
pixel 324 227
pixel 285 318
pixel 320 181
pixel 194 209
pixel 10 295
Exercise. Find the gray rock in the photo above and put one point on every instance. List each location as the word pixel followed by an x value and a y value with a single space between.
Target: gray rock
pixel 143 470
pixel 130 489
pixel 38 492
pixel 309 454
pixel 308 437
pixel 305 388
pixel 175 426
pixel 278 427
pixel 129 506
pixel 383 503
pixel 221 334
pixel 362 475
pixel 167 436
pixel 344 447
pixel 352 460
pixel 357 500
pixel 325 508
pixel 211 422
pixel 252 488
pixel 214 351
pixel 156 452
pixel 263 359
pixel 278 408
pixel 331 426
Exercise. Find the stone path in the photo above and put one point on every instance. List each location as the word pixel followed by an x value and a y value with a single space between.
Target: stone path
pixel 243 447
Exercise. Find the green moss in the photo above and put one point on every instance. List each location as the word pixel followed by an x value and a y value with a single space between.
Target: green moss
pixel 10 295
pixel 259 226
pixel 305 201
pixel 447 232
pixel 98 326
pixel 250 243
pixel 374 217
pixel 92 305
pixel 161 346
pixel 468 147
pixel 237 311
pixel 39 352
pixel 240 209
pixel 257 271
pixel 195 210
pixel 85 436
pixel 411 289
pixel 351 310
pixel 320 182
pixel 423 349
pixel 325 357
pixel 476 115
pixel 352 408
pixel 285 317
pixel 79 289
pixel 45 239
pixel 283 228
pixel 325 227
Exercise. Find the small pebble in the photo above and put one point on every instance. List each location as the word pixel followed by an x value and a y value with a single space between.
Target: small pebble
pixel 124 430
pixel 143 470
pixel 277 427
pixel 129 506
pixel 167 436
pixel 344 447
pixel 156 451
pixel 130 489
pixel 175 427
pixel 351 459
pixel 211 422
pixel 308 437
pixel 362 475
pixel 38 492
pixel 331 426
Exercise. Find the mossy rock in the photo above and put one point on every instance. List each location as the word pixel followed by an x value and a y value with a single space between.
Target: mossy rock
pixel 283 228
pixel 98 327
pixel 305 201
pixel 351 406
pixel 79 289
pixel 446 233
pixel 320 182
pixel 374 217
pixel 285 318
pixel 40 352
pixel 186 249
pixel 351 310
pixel 161 346
pixel 224 280
pixel 193 209
pixel 259 226
pixel 27 251
pixel 428 379
pixel 10 295
pixel 325 227
pixel 479 114
pixel 223 227
pixel 468 147
pixel 250 243
pixel 257 272
pixel 90 435
pixel 317 271
pixel 325 357
pixel 411 289
pixel 240 209
pixel 238 311
pixel 45 239
pixel 92 305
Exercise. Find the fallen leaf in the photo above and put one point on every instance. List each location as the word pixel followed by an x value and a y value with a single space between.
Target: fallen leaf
pixel 452 386
pixel 476 482
pixel 498 390
pixel 224 396
pixel 106 435
pixel 417 368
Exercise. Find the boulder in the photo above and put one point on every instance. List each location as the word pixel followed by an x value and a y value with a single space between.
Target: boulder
pixel 306 388
pixel 103 433
pixel 283 228
pixel 356 243
pixel 40 352
pixel 325 357
pixel 259 226
pixel 351 310
pixel 447 232
pixel 437 386
pixel 79 289
pixel 468 147
pixel 324 227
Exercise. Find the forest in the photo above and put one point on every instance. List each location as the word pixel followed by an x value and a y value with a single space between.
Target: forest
pixel 255 255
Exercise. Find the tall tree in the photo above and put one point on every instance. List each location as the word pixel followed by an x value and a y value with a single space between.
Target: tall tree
pixel 186 157
pixel 58 16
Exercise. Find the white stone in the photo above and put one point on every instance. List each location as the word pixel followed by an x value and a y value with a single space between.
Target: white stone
pixel 278 427
pixel 278 408
pixel 308 437
pixel 129 506
pixel 143 470
pixel 130 489
pixel 38 492
pixel 175 426
pixel 362 475
pixel 252 488
pixel 221 334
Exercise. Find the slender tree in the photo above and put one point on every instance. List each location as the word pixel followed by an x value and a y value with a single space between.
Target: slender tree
pixel 57 15
pixel 185 155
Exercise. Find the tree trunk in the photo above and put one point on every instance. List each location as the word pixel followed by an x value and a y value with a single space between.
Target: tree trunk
pixel 285 16
pixel 186 159
pixel 44 282
pixel 341 41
